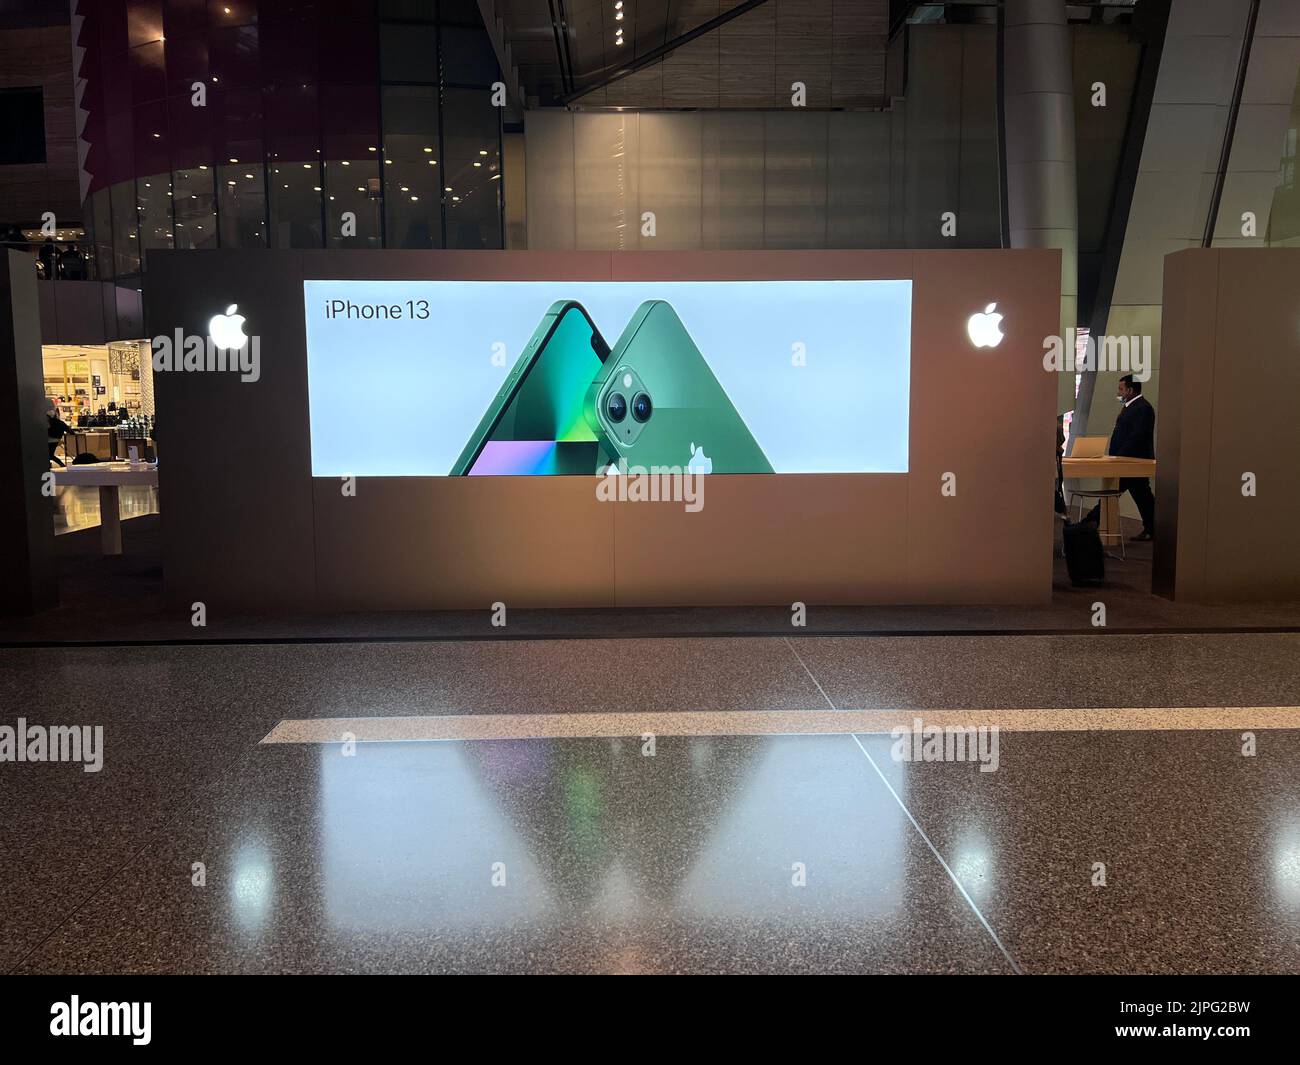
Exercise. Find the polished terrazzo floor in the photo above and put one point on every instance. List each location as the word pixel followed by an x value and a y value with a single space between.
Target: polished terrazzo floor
pixel 754 838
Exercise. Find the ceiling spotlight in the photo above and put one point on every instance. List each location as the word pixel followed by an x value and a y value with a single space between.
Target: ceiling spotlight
pixel 618 17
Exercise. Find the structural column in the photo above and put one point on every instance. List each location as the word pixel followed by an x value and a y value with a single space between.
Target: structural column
pixel 1038 107
pixel 28 581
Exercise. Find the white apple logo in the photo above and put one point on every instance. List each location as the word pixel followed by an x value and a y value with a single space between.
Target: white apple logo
pixel 700 462
pixel 227 330
pixel 983 329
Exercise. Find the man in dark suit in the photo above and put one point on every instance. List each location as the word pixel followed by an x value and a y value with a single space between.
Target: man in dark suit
pixel 1134 436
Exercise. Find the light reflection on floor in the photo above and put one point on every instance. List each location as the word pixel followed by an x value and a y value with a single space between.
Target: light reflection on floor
pixel 77 506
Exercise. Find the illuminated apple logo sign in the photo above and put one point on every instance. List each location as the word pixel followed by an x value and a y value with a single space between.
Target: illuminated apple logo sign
pixel 984 328
pixel 227 330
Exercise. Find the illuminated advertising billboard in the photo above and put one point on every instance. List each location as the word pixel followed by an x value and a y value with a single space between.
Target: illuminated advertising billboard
pixel 472 378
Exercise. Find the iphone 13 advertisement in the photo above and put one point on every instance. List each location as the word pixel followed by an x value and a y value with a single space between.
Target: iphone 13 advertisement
pixel 474 378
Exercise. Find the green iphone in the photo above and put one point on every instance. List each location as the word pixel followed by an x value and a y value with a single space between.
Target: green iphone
pixel 656 403
pixel 535 423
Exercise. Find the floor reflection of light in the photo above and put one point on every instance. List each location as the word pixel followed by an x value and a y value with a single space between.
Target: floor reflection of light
pixel 803 799
pixel 1286 866
pixel 972 864
pixel 410 834
pixel 251 885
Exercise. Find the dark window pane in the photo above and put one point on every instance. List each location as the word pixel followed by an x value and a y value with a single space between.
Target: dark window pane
pixel 153 198
pixel 184 17
pixel 144 21
pixel 295 190
pixel 22 117
pixel 101 221
pixel 241 205
pixel 352 210
pixel 237 125
pixel 126 229
pixel 408 53
pixel 412 170
pixel 148 72
pixel 467 57
pixel 472 169
pixel 233 55
pixel 409 10
pixel 194 204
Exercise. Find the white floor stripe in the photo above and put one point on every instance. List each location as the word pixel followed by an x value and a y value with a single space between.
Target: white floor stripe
pixel 818 721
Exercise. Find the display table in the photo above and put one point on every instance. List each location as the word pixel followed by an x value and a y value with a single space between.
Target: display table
pixel 1109 469
pixel 108 477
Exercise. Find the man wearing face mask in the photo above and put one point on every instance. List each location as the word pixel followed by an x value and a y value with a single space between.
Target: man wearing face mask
pixel 1134 436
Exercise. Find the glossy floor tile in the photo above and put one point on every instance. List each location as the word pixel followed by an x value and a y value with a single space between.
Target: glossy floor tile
pixel 574 848
pixel 1200 847
pixel 542 856
pixel 1038 671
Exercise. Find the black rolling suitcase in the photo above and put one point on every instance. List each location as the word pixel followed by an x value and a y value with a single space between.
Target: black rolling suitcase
pixel 1084 558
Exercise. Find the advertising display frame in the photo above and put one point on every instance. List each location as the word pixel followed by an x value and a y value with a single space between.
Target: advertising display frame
pixel 248 525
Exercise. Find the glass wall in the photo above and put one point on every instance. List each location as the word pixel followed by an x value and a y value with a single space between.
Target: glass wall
pixel 259 124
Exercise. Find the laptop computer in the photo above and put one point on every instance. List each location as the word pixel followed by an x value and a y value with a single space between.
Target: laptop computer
pixel 1089 447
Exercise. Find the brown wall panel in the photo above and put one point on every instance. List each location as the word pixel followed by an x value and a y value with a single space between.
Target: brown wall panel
pixel 761 540
pixel 234 467
pixel 987 416
pixel 1252 548
pixel 409 543
pixel 1185 412
pixel 245 523
pixel 1231 328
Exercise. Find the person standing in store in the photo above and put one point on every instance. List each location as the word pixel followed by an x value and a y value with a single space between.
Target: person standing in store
pixel 1134 436
pixel 56 429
